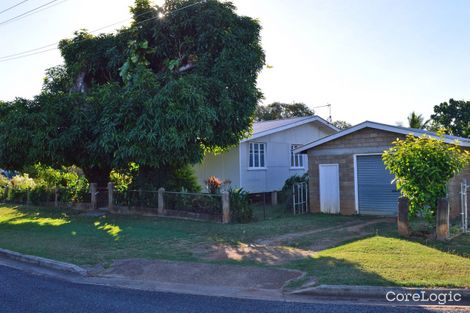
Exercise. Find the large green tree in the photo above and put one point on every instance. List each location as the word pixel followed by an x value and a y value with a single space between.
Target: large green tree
pixel 278 110
pixel 158 93
pixel 454 116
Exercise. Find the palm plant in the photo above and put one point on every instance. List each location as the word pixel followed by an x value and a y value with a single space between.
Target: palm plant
pixel 417 121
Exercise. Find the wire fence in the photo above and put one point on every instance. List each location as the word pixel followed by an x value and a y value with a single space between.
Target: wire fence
pixel 196 203
pixel 42 196
pixel 137 200
pixel 177 204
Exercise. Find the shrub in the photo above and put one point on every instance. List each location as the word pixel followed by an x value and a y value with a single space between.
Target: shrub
pixel 4 182
pixel 213 184
pixel 240 209
pixel 70 182
pixel 172 178
pixel 122 179
pixel 422 167
pixel 285 196
pixel 22 182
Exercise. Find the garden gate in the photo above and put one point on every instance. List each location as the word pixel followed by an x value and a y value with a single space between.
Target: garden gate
pixel 464 189
pixel 300 198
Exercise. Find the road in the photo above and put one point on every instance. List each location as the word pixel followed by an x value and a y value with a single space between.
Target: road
pixel 23 292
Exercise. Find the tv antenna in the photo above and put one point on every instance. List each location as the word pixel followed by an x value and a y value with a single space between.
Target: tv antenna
pixel 328 105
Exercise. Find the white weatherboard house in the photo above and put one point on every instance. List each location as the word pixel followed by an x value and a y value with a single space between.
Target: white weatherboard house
pixel 263 162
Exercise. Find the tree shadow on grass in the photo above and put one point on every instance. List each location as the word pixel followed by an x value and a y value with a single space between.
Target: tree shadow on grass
pixel 26 218
pixel 333 271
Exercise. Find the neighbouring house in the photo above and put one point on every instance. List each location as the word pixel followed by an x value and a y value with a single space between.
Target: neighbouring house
pixel 347 174
pixel 262 162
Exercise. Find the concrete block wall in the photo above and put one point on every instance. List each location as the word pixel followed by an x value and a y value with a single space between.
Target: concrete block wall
pixel 341 151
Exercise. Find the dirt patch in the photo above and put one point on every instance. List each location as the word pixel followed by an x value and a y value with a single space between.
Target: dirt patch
pixel 200 274
pixel 282 249
pixel 271 255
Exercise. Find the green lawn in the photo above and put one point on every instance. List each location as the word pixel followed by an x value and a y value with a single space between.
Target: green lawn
pixel 388 261
pixel 373 256
pixel 69 237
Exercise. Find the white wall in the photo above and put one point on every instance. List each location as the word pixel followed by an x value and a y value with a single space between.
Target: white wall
pixel 224 166
pixel 278 167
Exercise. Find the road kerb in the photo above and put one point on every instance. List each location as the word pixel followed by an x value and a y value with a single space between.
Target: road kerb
pixel 374 292
pixel 43 262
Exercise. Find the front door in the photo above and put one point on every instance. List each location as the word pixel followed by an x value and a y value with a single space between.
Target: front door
pixel 329 188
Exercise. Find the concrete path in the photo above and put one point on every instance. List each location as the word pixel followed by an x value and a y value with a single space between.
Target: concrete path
pixel 231 276
pixel 349 226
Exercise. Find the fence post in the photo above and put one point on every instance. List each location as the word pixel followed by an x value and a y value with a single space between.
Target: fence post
pixel 404 228
pixel 110 196
pixel 56 198
pixel 274 198
pixel 28 197
pixel 225 207
pixel 442 219
pixel 93 195
pixel 161 202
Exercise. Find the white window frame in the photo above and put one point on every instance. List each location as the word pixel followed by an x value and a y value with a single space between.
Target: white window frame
pixel 296 159
pixel 253 157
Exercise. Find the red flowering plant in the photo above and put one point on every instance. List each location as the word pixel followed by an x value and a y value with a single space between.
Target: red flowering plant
pixel 213 184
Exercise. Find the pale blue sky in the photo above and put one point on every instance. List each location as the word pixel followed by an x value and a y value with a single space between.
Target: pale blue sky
pixel 376 59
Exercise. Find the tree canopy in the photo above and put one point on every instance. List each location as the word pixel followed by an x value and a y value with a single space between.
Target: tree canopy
pixel 454 116
pixel 278 110
pixel 158 93
pixel 342 125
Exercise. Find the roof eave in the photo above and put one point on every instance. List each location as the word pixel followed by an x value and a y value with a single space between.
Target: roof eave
pixel 292 125
pixel 368 124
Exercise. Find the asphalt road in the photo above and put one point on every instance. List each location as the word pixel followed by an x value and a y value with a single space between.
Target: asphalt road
pixel 22 292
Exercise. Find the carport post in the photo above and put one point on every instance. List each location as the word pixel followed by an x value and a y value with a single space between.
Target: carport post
pixel 442 219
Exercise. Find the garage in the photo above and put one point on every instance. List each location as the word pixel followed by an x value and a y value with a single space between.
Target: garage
pixel 347 174
pixel 376 195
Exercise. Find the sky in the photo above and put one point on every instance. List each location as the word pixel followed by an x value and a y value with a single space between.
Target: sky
pixel 371 60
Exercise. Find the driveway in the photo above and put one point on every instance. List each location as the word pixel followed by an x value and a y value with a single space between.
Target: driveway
pixel 24 293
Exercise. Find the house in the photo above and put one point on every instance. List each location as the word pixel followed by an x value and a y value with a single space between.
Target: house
pixel 262 162
pixel 348 176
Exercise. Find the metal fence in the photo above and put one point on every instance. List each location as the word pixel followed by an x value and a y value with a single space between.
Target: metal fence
pixel 464 190
pixel 201 206
pixel 144 201
pixel 300 198
pixel 193 205
pixel 44 197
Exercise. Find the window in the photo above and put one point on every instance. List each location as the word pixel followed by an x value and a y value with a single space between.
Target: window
pixel 296 159
pixel 257 155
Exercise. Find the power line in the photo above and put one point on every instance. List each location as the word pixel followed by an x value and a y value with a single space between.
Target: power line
pixel 30 12
pixel 13 6
pixel 35 51
pixel 28 52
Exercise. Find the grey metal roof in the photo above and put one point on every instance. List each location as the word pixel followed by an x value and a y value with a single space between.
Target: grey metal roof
pixel 259 127
pixel 465 142
pixel 432 134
